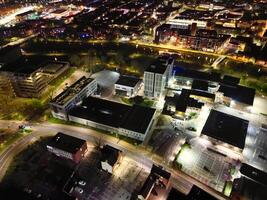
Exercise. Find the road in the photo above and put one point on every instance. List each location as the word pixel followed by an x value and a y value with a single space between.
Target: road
pixel 139 43
pixel 139 154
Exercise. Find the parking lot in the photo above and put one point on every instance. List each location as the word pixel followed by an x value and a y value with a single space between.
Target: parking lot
pixel 127 178
pixel 206 166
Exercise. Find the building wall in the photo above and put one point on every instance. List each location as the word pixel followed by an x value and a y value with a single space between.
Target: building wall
pixel 159 86
pixel 107 167
pixel 60 152
pixel 30 85
pixel 149 84
pixel 184 23
pixel 80 154
pixel 93 124
pixel 121 131
pixel 132 134
pixel 130 91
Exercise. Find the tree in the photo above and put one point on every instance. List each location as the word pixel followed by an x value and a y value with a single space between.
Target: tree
pixel 75 60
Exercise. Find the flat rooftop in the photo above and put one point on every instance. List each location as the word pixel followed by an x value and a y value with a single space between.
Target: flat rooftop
pixel 135 118
pixel 195 193
pixel 254 173
pixel 53 67
pixel 238 93
pixel 158 67
pixel 129 81
pixel 101 111
pixel 200 85
pixel 110 154
pixel 246 188
pixel 226 128
pixel 196 74
pixel 71 91
pixel 138 119
pixel 66 143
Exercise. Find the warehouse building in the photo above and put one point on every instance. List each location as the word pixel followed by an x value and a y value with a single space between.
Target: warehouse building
pixel 223 128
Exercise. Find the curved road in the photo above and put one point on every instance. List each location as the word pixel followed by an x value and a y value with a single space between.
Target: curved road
pixel 182 181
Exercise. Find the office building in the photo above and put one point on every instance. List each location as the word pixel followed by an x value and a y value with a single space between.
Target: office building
pixel 131 121
pixel 157 75
pixel 27 77
pixel 127 86
pixel 72 95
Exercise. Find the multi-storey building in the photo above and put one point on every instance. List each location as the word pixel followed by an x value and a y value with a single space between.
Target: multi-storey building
pixel 72 95
pixel 27 77
pixel 156 77
pixel 191 38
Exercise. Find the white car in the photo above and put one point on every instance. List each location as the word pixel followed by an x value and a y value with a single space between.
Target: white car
pixel 79 190
pixel 83 183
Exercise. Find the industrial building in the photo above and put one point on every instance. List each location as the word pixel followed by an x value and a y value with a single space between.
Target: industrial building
pixel 226 88
pixel 131 121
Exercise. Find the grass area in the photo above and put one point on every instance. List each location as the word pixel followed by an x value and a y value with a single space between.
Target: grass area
pixel 21 108
pixel 251 75
pixel 183 154
pixel 21 161
pixel 228 188
pixel 59 80
pixel 142 101
pixel 10 138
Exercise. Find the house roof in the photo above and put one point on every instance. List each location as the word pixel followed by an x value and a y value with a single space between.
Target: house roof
pixel 110 154
pixel 66 143
pixel 129 81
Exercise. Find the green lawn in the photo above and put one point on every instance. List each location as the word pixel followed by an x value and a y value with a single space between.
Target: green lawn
pixel 10 139
pixel 228 188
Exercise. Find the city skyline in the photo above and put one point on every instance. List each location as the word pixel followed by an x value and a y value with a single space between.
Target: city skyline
pixel 133 100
